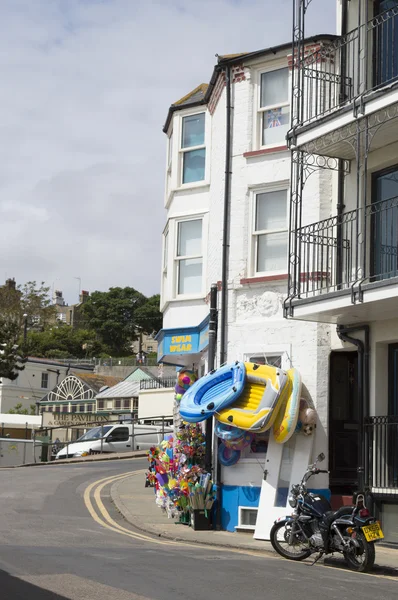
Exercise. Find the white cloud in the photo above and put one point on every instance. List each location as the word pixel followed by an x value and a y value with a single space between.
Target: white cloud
pixel 86 85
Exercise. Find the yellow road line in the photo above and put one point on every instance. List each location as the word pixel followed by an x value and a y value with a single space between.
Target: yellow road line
pixel 109 523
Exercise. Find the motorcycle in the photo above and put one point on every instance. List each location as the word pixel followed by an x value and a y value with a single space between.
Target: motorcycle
pixel 314 528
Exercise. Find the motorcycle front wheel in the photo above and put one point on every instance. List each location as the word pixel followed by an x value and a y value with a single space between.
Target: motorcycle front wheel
pixel 287 540
pixel 361 556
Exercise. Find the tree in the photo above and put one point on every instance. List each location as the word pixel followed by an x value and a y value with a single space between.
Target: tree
pixel 118 315
pixel 63 341
pixel 148 316
pixel 11 358
pixel 19 410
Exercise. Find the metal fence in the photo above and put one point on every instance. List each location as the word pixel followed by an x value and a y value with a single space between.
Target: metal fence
pixel 162 422
pixel 153 384
pixel 358 246
pixel 108 362
pixel 335 73
pixel 382 460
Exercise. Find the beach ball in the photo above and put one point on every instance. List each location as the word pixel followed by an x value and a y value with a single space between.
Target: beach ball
pixel 186 378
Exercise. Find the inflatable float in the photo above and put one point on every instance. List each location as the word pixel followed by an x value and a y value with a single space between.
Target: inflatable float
pixel 257 407
pixel 288 414
pixel 213 392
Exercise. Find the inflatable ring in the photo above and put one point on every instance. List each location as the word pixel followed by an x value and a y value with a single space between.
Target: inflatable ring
pixel 241 443
pixel 228 456
pixel 228 433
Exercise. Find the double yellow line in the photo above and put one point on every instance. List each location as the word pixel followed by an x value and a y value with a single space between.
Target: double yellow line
pixel 96 508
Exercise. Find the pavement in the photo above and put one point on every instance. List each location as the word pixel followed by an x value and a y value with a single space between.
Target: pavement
pixel 137 505
pixel 84 459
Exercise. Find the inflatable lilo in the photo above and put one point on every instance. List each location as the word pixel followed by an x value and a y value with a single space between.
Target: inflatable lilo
pixel 213 392
pixel 257 407
pixel 287 417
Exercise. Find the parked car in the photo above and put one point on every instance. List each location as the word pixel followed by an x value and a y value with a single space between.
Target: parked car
pixel 114 438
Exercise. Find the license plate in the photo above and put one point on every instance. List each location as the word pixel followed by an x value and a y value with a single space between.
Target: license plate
pixel 373 532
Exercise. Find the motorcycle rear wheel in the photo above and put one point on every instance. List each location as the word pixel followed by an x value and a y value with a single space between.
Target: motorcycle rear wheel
pixel 362 560
pixel 297 551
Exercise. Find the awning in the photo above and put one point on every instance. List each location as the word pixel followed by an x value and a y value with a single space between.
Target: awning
pixel 181 346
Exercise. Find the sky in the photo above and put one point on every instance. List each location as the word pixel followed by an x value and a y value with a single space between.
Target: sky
pixel 85 89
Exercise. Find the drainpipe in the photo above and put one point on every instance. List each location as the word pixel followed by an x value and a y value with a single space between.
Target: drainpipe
pixel 363 394
pixel 225 240
pixel 211 364
pixel 224 270
pixel 340 184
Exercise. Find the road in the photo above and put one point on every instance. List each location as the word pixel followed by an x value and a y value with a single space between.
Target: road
pixel 51 548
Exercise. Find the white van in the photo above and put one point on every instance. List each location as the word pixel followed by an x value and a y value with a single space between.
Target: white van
pixel 115 438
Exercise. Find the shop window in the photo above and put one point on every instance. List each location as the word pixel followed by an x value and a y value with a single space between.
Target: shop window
pixel 135 404
pixel 270 232
pixel 274 107
pixel 189 258
pixel 275 360
pixel 74 408
pixel 118 404
pixel 193 149
pixel 247 517
pixel 126 403
pixel 57 409
pixel 100 404
pixel 89 408
pixel 81 408
pixel 65 408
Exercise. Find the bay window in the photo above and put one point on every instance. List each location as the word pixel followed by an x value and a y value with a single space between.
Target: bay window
pixel 270 235
pixel 193 149
pixel 274 107
pixel 189 257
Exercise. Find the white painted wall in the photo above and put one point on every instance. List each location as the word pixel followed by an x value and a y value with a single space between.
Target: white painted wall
pixel 155 403
pixel 26 389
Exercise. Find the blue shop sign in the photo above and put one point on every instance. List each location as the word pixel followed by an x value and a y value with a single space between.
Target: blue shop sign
pixel 173 343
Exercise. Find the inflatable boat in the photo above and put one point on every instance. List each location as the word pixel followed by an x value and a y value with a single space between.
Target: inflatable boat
pixel 286 420
pixel 257 407
pixel 213 392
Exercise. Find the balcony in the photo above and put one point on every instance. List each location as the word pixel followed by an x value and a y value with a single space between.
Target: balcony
pixel 382 459
pixel 346 267
pixel 355 75
pixel 155 384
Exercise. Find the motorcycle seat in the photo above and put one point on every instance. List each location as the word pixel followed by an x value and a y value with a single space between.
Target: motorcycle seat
pixel 331 515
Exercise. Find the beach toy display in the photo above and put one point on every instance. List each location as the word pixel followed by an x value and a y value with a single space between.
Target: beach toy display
pixel 257 407
pixel 213 392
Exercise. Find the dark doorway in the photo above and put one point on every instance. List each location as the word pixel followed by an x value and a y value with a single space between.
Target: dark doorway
pixel 343 422
pixel 393 380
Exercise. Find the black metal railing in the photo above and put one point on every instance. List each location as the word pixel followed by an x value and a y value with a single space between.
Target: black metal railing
pixel 381 434
pixel 335 73
pixel 357 247
pixel 153 384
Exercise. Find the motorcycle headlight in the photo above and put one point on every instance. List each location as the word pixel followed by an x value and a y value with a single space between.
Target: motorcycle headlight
pixel 292 501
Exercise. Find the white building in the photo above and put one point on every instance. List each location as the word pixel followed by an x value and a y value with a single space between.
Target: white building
pixel 254 211
pixel 352 120
pixel 38 377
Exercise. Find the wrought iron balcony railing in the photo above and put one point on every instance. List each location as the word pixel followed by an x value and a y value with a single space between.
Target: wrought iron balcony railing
pixel 333 74
pixel 154 384
pixel 382 454
pixel 351 249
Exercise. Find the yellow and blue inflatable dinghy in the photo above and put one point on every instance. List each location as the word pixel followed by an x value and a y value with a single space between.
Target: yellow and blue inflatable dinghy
pixel 286 421
pixel 257 407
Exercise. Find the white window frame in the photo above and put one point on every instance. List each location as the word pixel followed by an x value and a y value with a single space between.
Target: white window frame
pixel 254 192
pixel 259 110
pixel 181 150
pixel 240 524
pixel 177 259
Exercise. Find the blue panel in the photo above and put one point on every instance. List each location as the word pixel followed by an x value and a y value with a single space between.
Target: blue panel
pixel 183 341
pixel 233 496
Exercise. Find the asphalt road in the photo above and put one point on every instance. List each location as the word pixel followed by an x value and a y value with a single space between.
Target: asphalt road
pixel 52 549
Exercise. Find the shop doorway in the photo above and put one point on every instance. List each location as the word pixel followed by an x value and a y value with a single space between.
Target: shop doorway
pixel 343 422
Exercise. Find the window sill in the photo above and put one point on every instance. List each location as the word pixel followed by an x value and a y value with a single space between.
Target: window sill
pixel 264 278
pixel 191 186
pixel 263 151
